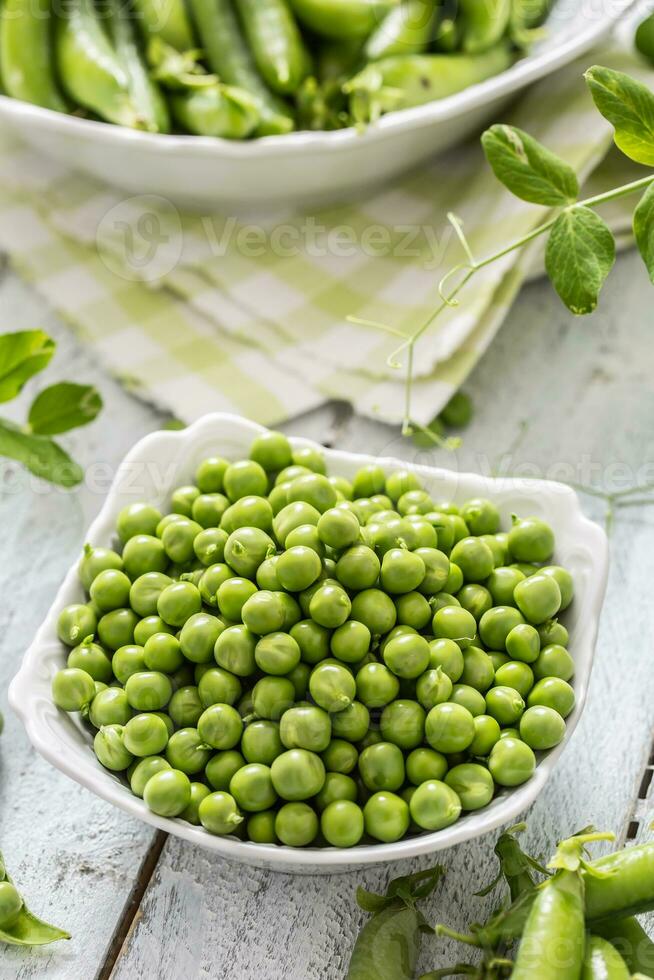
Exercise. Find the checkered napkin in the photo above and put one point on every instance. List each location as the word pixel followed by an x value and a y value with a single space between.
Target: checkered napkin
pixel 206 312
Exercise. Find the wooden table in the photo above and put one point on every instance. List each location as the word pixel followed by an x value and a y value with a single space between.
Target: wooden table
pixel 570 399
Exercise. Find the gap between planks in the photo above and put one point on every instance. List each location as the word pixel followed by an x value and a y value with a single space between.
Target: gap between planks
pixel 132 906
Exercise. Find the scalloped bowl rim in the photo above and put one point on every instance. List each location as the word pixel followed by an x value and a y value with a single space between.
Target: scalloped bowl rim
pixel 526 70
pixel 24 696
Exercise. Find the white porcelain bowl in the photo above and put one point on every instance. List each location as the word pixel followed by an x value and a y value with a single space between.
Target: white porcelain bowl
pixel 164 460
pixel 302 169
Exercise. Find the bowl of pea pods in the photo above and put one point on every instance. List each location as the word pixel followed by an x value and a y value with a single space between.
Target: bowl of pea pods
pixel 269 103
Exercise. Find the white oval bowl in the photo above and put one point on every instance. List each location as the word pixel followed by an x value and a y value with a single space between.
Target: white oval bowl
pixel 164 460
pixel 303 168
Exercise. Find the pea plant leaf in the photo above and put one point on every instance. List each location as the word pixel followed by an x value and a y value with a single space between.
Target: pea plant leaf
pixel 62 407
pixel 644 229
pixel 40 454
pixel 629 107
pixel 527 168
pixel 579 256
pixel 22 355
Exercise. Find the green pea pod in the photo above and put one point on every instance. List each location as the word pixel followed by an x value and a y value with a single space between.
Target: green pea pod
pixel 321 105
pixel 342 19
pixel 168 20
pixel 631 941
pixel 90 70
pixel 525 20
pixel 28 930
pixel 275 42
pixel 403 81
pixel 448 35
pixel 176 69
pixel 603 962
pixel 484 24
pixel 407 29
pixel 145 93
pixel 26 53
pixel 230 58
pixel 516 867
pixel 388 945
pixel 216 110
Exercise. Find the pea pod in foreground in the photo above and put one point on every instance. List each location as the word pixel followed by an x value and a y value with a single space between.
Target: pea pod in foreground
pixel 275 42
pixel 388 945
pixel 603 962
pixel 229 57
pixel 484 24
pixel 404 81
pixel 19 926
pixel 342 18
pixel 631 941
pixel 26 53
pixel 146 95
pixel 215 110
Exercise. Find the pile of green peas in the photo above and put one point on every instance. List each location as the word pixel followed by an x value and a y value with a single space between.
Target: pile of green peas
pixel 291 657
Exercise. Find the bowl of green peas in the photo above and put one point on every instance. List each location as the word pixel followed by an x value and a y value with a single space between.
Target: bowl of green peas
pixel 266 103
pixel 311 660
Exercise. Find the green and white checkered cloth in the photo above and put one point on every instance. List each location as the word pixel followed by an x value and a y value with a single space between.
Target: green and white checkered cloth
pixel 199 313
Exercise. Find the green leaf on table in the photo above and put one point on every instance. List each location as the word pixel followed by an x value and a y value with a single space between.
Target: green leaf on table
pixel 527 168
pixel 39 454
pixel 644 229
pixel 22 355
pixel 629 107
pixel 579 256
pixel 62 407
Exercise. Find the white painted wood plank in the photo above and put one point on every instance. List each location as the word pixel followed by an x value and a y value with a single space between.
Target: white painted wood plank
pixel 583 390
pixel 73 856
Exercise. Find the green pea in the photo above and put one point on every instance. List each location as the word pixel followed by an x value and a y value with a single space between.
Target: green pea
pixel 340 756
pixel 420 533
pixel 552 632
pixel 352 723
pixel 505 705
pixel 350 642
pixel 531 540
pixel 298 568
pixel 211 580
pixel 306 536
pixel 267 578
pixel 75 623
pixel 178 602
pixel 313 489
pixel 272 696
pixel 423 764
pixel 402 571
pixel 162 652
pixel 554 661
pixel 219 814
pixel 73 689
pixel 435 805
pixel 261 827
pixel 234 651
pixel 455 623
pixel 553 692
pixel 478 670
pixel 481 516
pixel 338 528
pixel 232 596
pixel 386 817
pixel 498 659
pixel 292 611
pixel 473 784
pixel 187 752
pixel 433 687
pixel 145 735
pixel 312 639
pixel 496 624
pixel 330 606
pixel 476 599
pixel 245 478
pixel 337 786
pixel 143 771
pixel 376 685
pixel 407 655
pixel 220 727
pixel 272 451
pixel 413 609
pixel 468 697
pixel 523 643
pixel 358 568
pixel 178 539
pixel 11 905
pixel 511 762
pixel 96 560
pixel 90 657
pixel 246 549
pixel 342 823
pixel 437 570
pixel 210 474
pixel 487 733
pixel 474 558
pixel 261 741
pixel 415 502
pixel 208 510
pixel 277 653
pixel 209 546
pixel 221 767
pixel 297 774
pixel 374 609
pixel 296 824
pixel 449 728
pixel 137 518
pixel 252 787
pixel 538 598
pixel 110 749
pixel 148 690
pixel 501 584
pixel 110 707
pixel 517 675
pixel 185 707
pixel 306 727
pixel 292 516
pixel 110 590
pixel 447 654
pixel 218 686
pixel 403 723
pixel 541 727
pixel 192 812
pixel 332 686
pixel 147 627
